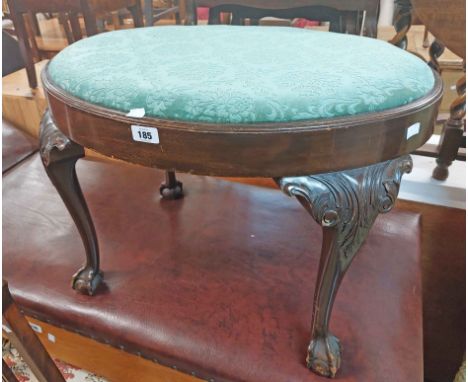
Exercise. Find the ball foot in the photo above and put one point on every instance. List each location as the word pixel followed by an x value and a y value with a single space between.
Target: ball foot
pixel 324 356
pixel 86 281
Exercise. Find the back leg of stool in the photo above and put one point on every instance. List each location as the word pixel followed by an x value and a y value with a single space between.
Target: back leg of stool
pixel 59 155
pixel 171 189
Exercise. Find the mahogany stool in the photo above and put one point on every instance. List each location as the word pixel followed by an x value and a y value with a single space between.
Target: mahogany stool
pixel 333 127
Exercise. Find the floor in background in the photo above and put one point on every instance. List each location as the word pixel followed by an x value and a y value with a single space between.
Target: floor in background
pixel 420 187
pixel 24 374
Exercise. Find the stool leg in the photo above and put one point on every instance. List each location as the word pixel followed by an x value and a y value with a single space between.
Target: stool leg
pixel 59 155
pixel 345 204
pixel 171 189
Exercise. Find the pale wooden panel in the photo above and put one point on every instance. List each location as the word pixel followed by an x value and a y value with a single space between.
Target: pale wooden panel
pixel 104 360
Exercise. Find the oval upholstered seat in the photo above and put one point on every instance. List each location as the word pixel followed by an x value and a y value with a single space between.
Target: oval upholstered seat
pixel 226 74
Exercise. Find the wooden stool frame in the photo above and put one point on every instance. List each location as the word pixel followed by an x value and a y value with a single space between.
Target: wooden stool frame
pixel 356 165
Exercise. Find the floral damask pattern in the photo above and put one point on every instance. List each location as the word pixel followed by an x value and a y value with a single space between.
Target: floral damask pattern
pixel 226 74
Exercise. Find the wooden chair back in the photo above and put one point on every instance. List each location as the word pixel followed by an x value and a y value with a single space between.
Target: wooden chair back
pixel 446 20
pixel 22 13
pixel 351 16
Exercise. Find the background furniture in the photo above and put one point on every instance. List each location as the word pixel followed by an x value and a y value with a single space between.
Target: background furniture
pixel 153 14
pixel 21 9
pixel 446 21
pixel 29 346
pixel 11 58
pixel 344 16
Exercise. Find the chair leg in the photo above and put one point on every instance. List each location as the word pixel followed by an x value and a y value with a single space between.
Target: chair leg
pixel 26 341
pixel 346 205
pixel 188 11
pixel 25 48
pixel 89 19
pixel 426 38
pixel 7 373
pixel 171 189
pixel 63 19
pixel 148 11
pixel 135 10
pixel 75 26
pixel 214 16
pixel 59 155
pixel 452 136
pixel 175 3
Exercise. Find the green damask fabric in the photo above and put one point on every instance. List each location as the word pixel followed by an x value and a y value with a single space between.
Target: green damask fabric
pixel 230 74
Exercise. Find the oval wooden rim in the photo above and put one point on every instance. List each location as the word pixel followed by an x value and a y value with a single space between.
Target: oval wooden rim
pixel 279 127
pixel 249 150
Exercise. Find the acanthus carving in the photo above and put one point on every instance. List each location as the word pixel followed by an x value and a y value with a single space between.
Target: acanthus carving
pixel 346 205
pixel 349 200
pixel 51 139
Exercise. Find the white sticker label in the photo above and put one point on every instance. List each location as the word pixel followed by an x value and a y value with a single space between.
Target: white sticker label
pixel 35 327
pixel 145 134
pixel 6 328
pixel 136 113
pixel 413 130
pixel 51 337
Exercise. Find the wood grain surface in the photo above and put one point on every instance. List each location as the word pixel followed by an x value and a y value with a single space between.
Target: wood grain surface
pixel 255 150
pixel 446 20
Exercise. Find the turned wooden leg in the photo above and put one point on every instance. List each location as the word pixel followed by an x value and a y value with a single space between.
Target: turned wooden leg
pixel 171 189
pixel 452 136
pixel 59 155
pixel 346 205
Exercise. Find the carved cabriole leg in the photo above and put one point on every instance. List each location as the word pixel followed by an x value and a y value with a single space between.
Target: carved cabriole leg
pixel 59 155
pixel 346 205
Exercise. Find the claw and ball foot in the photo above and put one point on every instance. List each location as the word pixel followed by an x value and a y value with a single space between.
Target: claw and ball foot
pixel 171 189
pixel 59 155
pixel 324 355
pixel 86 280
pixel 345 204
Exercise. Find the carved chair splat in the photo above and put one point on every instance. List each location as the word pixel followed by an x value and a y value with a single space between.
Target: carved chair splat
pixel 344 16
